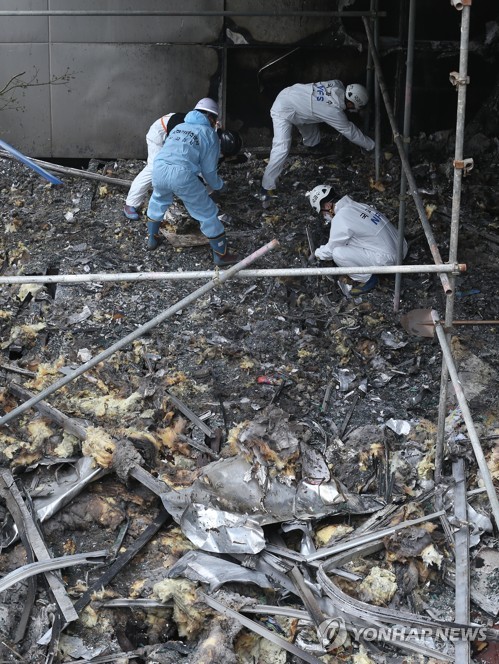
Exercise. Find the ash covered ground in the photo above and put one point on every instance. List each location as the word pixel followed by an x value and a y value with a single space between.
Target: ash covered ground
pixel 334 369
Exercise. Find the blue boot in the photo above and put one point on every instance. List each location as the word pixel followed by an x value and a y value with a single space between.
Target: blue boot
pixel 365 287
pixel 131 213
pixel 221 256
pixel 153 230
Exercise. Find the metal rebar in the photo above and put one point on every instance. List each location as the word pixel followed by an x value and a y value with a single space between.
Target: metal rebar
pixel 220 277
pixel 405 162
pixel 453 241
pixel 406 139
pixel 466 414
pixel 25 571
pixel 363 540
pixel 258 628
pixel 212 274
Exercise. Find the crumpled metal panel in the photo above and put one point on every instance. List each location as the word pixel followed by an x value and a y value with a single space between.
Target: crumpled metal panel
pixel 203 567
pixel 218 516
pixel 217 531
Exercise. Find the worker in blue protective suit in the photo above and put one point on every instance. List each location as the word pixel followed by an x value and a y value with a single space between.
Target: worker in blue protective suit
pixel 191 148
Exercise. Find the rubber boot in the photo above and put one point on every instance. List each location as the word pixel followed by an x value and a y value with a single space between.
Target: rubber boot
pixel 152 231
pixel 221 256
pixel 365 287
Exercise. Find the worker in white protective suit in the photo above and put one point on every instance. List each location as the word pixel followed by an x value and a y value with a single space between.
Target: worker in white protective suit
pixel 190 149
pixel 155 138
pixel 360 235
pixel 305 106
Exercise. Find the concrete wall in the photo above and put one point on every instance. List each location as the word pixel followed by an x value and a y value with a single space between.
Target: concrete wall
pixel 122 74
pixel 112 76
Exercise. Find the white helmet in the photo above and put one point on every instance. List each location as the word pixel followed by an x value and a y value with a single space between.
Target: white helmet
pixel 357 94
pixel 208 105
pixel 317 195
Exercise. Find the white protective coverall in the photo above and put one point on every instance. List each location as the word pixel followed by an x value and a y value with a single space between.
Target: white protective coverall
pixel 155 138
pixel 359 236
pixel 305 106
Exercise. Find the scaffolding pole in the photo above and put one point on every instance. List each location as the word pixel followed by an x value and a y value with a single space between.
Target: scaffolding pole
pixel 461 80
pixel 183 14
pixel 466 414
pixel 189 299
pixel 249 274
pixel 406 140
pixel 377 107
pixel 405 162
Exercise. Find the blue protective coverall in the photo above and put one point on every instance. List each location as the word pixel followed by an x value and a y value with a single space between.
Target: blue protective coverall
pixel 191 148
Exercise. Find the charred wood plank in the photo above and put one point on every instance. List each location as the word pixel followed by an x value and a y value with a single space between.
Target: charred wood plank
pixel 161 518
pixel 191 415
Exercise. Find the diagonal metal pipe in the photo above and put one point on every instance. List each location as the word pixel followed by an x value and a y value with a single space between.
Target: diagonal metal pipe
pixel 405 161
pixel 468 420
pixel 220 278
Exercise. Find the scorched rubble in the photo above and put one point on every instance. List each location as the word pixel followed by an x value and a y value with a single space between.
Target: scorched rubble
pixel 300 385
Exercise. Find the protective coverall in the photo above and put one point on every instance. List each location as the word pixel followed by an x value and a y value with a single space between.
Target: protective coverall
pixel 155 139
pixel 190 149
pixel 359 236
pixel 305 106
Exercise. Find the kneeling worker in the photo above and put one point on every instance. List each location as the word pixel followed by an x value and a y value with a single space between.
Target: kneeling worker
pixel 360 235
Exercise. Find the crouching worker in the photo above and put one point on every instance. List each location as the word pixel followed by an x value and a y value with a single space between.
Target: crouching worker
pixel 190 149
pixel 155 138
pixel 360 235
